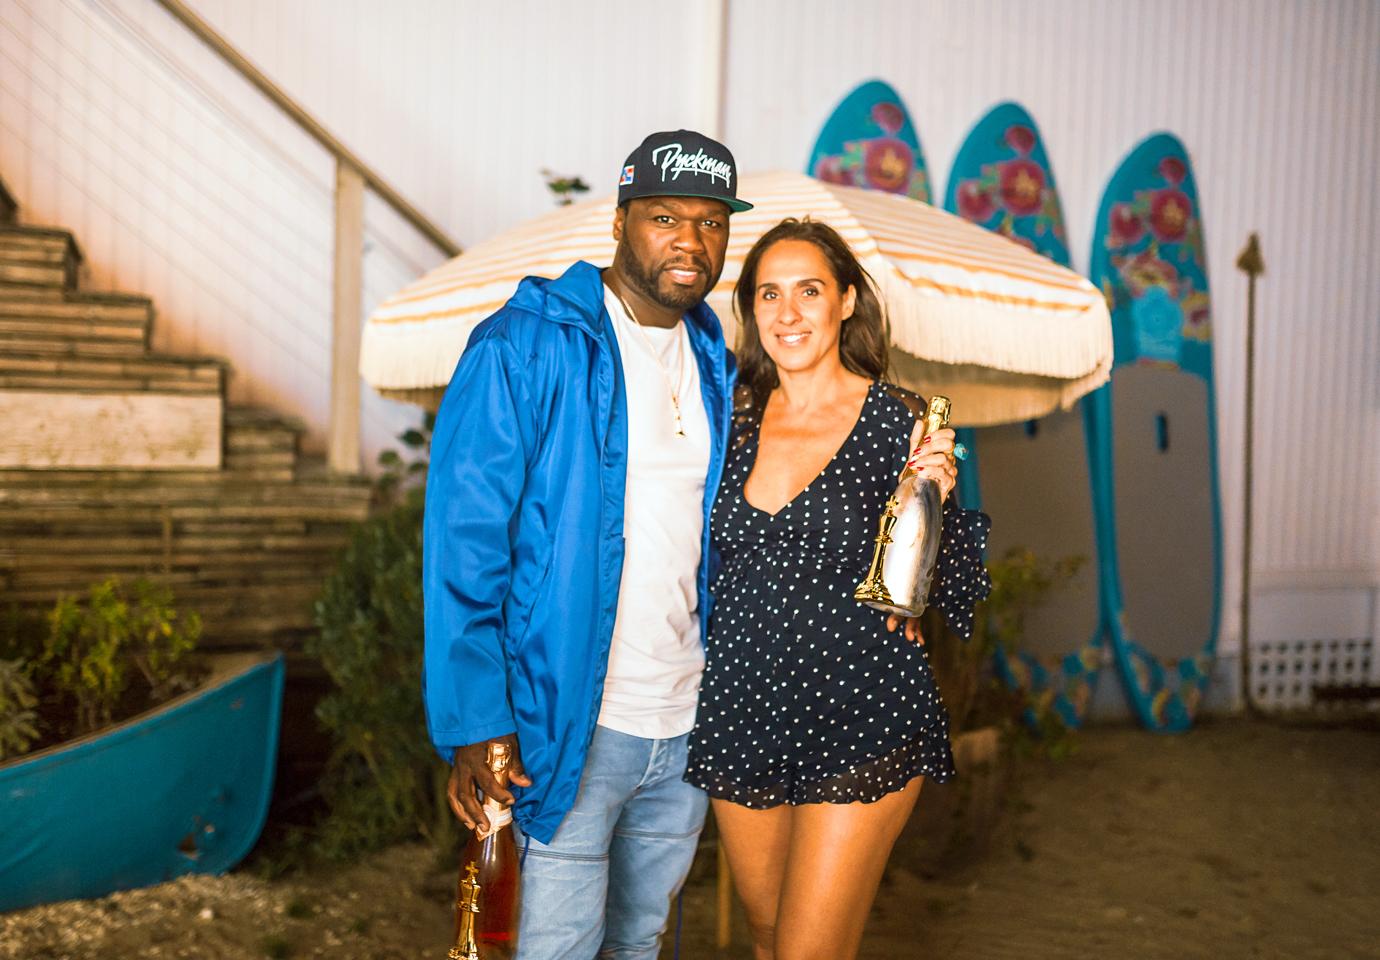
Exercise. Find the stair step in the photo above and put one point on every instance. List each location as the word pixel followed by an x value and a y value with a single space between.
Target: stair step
pixel 37 258
pixel 77 495
pixel 261 444
pixel 64 428
pixel 250 428
pixel 249 582
pixel 249 557
pixel 151 373
pixel 115 462
pixel 86 547
pixel 75 325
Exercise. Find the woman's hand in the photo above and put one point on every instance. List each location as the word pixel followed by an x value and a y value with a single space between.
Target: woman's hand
pixel 934 458
pixel 912 628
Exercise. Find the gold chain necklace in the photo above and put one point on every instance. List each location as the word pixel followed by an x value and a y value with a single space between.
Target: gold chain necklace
pixel 672 385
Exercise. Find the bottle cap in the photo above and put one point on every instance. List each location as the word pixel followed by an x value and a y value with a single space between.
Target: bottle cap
pixel 498 757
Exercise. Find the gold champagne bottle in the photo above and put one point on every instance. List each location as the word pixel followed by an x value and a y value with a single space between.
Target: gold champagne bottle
pixel 907 543
pixel 489 890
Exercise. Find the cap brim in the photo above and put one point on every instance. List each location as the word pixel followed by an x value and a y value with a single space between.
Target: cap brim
pixel 734 205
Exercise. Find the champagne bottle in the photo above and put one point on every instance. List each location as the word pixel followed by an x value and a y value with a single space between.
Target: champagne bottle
pixel 489 887
pixel 907 543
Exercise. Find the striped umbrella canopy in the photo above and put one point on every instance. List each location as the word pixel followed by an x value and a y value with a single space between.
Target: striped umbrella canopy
pixel 1003 332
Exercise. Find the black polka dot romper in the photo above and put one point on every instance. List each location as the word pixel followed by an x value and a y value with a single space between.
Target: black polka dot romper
pixel 806 697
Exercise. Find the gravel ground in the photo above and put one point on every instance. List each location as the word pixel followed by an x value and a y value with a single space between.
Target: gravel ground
pixel 1243 839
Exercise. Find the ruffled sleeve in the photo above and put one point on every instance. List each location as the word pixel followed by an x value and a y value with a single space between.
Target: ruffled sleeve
pixel 960 577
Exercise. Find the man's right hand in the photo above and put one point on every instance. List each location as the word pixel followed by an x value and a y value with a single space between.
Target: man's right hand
pixel 470 774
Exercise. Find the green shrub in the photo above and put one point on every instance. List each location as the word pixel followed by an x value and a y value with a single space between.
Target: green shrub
pixel 18 721
pixel 398 475
pixel 1021 582
pixel 21 633
pixel 96 644
pixel 974 697
pixel 382 782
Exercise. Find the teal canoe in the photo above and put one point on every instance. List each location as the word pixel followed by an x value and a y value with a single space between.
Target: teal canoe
pixel 180 789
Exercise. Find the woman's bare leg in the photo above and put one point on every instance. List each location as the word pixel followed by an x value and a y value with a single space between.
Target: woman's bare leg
pixel 756 842
pixel 832 870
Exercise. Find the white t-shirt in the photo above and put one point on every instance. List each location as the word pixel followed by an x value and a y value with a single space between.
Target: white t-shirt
pixel 657 657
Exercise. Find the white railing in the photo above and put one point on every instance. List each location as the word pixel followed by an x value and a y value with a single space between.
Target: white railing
pixel 352 178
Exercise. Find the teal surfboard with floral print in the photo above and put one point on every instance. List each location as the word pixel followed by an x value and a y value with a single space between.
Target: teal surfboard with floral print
pixel 1002 180
pixel 1153 435
pixel 869 142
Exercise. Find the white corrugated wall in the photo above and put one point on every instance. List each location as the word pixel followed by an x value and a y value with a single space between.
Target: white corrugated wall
pixel 201 196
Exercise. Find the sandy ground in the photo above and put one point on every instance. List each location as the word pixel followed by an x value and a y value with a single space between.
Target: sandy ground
pixel 1240 840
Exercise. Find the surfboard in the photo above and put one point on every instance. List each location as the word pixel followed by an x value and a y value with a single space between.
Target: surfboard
pixel 1153 435
pixel 1002 180
pixel 869 142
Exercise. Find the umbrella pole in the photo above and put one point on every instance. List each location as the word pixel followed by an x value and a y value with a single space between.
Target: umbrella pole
pixel 1252 264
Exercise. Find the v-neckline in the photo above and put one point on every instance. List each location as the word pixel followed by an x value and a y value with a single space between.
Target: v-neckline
pixel 756 447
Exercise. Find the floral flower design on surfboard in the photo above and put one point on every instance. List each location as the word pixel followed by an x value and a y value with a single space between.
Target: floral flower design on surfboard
pixel 1155 241
pixel 883 162
pixel 1016 197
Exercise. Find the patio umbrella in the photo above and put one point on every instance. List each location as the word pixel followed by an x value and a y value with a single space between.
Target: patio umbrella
pixel 1005 333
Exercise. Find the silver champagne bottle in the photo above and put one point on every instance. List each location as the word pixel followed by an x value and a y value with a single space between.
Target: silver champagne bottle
pixel 907 543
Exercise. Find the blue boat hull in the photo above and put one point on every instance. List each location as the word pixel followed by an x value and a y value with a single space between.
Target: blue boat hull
pixel 182 789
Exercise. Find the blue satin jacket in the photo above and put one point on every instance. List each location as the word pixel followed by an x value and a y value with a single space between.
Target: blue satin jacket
pixel 523 534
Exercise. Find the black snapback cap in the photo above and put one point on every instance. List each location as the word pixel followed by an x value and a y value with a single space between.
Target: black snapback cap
pixel 681 163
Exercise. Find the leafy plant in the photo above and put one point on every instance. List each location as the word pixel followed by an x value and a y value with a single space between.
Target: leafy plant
pixel 93 644
pixel 382 781
pixel 397 474
pixel 21 633
pixel 564 189
pixel 1021 582
pixel 18 721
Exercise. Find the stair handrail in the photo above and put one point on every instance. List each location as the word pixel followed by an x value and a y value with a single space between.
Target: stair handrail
pixel 351 176
pixel 245 68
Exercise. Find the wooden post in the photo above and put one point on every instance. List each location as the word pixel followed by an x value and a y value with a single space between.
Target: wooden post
pixel 347 309
pixel 707 108
pixel 1252 264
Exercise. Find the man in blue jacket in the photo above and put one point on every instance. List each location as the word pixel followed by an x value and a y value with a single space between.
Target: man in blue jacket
pixel 574 461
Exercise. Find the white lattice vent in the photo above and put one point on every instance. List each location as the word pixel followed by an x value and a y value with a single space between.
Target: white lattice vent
pixel 1306 636
pixel 1285 673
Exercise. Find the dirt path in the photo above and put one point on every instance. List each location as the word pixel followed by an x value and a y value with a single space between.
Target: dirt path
pixel 1240 840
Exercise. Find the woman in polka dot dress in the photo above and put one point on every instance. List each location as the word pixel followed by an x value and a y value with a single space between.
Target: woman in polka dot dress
pixel 818 722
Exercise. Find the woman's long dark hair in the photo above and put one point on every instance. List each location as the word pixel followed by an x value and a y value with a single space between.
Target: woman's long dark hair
pixel 862 339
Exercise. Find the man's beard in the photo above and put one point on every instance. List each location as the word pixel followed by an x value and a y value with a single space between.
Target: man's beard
pixel 645 278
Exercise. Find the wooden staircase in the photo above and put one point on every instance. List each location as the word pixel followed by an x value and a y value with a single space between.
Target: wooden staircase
pixel 118 461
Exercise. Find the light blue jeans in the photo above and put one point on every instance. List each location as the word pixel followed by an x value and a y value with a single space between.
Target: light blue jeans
pixel 604 885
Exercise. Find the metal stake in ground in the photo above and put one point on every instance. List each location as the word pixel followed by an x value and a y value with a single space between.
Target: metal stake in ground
pixel 1252 264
